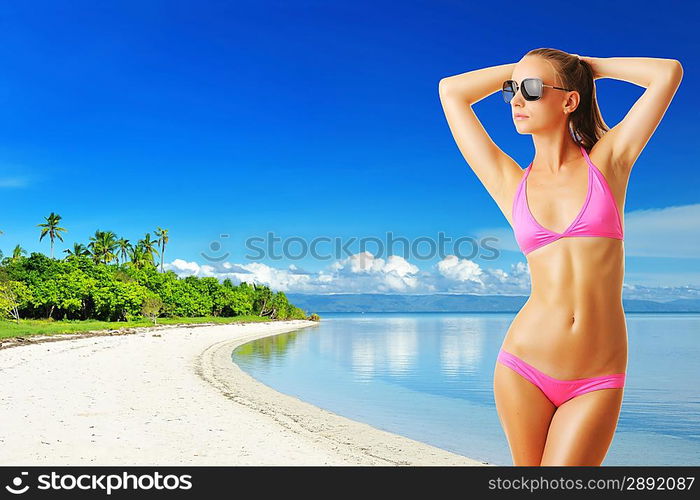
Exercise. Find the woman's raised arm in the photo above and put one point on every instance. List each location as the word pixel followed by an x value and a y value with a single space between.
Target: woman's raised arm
pixel 661 78
pixel 457 93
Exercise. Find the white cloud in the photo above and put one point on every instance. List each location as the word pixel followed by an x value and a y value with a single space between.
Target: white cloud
pixel 13 182
pixel 184 268
pixel 358 273
pixel 278 279
pixel 663 279
pixel 460 269
pixel 364 273
pixel 663 232
pixel 660 293
pixel 466 276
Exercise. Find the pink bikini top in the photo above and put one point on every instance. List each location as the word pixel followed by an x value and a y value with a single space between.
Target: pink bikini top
pixel 598 217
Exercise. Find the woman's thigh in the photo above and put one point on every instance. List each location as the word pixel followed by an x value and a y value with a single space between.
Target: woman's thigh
pixel 583 428
pixel 525 414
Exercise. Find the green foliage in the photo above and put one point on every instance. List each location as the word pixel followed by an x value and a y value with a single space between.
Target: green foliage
pixel 13 295
pixel 152 307
pixel 82 287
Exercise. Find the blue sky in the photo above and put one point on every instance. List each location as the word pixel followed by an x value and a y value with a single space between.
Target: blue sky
pixel 315 119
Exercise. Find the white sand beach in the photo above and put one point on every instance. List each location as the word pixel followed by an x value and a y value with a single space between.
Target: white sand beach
pixel 171 395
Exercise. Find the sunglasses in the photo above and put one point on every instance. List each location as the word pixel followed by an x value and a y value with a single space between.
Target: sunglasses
pixel 531 89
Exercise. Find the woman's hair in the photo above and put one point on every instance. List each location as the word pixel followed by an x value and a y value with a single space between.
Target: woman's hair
pixel 585 124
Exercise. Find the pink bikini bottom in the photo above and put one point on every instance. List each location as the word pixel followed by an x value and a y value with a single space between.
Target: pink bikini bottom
pixel 559 391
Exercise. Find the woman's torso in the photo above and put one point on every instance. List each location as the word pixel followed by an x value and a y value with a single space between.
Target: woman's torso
pixel 573 324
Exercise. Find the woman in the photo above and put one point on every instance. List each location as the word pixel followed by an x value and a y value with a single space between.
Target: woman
pixel 559 377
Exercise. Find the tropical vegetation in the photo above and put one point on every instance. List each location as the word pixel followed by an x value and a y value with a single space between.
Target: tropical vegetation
pixel 112 279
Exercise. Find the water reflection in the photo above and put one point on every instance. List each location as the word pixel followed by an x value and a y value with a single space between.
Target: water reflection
pixel 461 345
pixel 430 377
pixel 381 348
pixel 363 358
pixel 267 349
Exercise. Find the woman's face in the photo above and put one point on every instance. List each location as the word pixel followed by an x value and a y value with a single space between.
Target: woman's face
pixel 549 113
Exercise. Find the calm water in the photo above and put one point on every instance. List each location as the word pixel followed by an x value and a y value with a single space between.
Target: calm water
pixel 430 377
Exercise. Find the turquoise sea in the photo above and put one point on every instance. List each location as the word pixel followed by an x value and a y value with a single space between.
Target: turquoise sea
pixel 429 376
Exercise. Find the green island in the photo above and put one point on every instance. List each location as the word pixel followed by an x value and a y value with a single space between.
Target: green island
pixel 111 284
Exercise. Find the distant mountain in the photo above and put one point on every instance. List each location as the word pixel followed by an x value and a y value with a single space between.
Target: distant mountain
pixel 375 302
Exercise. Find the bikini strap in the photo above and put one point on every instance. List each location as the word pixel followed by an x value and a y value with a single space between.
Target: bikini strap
pixel 585 155
pixel 519 192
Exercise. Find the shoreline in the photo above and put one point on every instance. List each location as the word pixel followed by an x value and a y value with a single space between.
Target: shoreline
pixel 126 399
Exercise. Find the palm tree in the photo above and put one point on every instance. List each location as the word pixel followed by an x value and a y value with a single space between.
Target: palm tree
pixel 148 247
pixel 18 252
pixel 78 250
pixel 103 244
pixel 137 254
pixel 123 247
pixel 51 228
pixel 162 235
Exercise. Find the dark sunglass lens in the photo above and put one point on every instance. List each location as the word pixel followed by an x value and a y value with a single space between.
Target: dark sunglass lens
pixel 532 89
pixel 508 91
